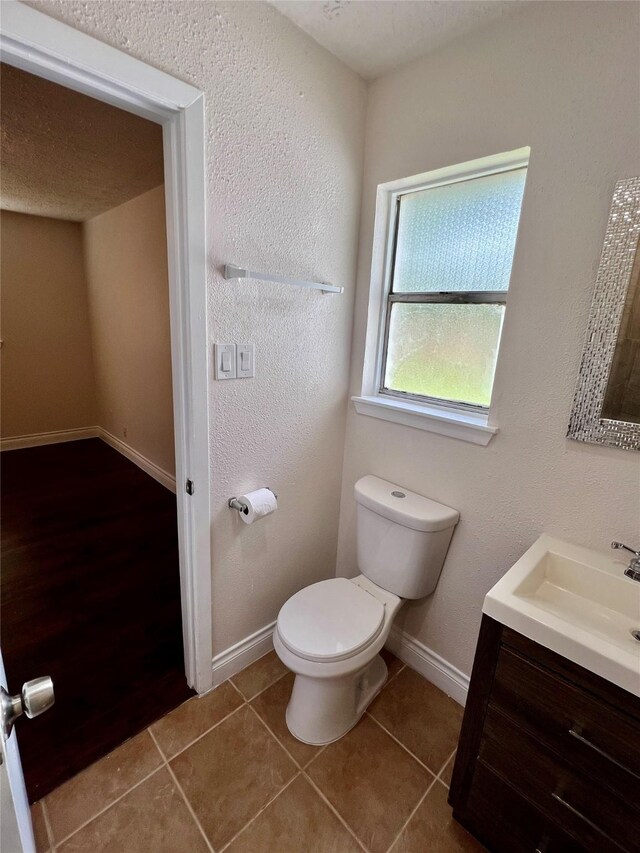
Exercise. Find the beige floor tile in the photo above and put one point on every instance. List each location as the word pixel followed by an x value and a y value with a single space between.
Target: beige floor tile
pixel 272 705
pixel 152 818
pixel 433 829
pixel 194 717
pixel 259 675
pixel 231 773
pixel 445 775
pixel 39 828
pixel 394 664
pixel 82 797
pixel 422 717
pixel 371 781
pixel 297 820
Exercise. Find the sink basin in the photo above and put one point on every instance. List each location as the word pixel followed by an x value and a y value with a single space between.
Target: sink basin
pixel 576 602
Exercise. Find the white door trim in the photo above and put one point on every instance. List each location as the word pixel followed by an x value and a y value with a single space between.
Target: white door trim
pixel 43 46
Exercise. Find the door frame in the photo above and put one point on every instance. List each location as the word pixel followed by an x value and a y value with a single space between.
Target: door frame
pixel 34 42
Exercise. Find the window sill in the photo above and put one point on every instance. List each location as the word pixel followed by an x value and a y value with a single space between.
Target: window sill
pixel 466 427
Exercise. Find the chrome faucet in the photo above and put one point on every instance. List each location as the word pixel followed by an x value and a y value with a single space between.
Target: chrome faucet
pixel 633 569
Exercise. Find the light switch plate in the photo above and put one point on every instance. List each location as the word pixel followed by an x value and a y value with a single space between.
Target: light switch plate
pixel 225 361
pixel 245 361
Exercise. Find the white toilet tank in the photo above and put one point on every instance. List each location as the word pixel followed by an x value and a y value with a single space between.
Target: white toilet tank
pixel 403 537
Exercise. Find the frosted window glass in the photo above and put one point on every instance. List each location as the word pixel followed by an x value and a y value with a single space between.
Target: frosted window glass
pixel 459 236
pixel 444 351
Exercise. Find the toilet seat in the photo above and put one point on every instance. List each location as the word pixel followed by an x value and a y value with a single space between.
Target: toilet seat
pixel 330 620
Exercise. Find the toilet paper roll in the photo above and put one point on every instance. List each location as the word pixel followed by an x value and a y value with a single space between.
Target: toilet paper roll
pixel 258 504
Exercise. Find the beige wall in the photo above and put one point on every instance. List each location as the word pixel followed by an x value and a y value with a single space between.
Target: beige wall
pixel 559 77
pixel 126 263
pixel 47 370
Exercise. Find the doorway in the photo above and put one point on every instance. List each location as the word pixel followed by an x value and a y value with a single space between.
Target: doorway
pixel 79 63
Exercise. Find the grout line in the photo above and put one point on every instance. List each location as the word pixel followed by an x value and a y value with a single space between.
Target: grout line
pixel 165 762
pixel 111 804
pixel 333 809
pixel 301 767
pixel 47 826
pixel 407 821
pixel 237 689
pixel 276 738
pixel 444 767
pixel 230 714
pixel 200 736
pixel 182 793
pixel 310 780
pixel 275 681
pixel 303 772
pixel 158 747
pixel 264 807
pixel 394 676
pixel 189 807
pixel 399 742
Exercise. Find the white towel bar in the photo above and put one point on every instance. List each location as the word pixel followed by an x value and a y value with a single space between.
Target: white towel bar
pixel 231 271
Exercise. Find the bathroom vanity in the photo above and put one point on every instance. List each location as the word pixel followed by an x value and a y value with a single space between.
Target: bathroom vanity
pixel 549 753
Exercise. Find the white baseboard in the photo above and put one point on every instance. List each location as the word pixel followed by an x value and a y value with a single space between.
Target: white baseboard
pixel 138 459
pixel 236 658
pixel 40 438
pixel 434 668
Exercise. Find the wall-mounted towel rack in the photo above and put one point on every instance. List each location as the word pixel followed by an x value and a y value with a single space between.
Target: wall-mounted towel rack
pixel 231 271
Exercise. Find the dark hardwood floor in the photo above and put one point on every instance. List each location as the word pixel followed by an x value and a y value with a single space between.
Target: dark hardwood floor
pixel 90 594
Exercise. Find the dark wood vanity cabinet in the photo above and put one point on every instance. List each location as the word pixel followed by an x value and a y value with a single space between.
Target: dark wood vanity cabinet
pixel 549 753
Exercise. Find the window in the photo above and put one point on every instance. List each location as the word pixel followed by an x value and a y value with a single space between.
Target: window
pixel 449 240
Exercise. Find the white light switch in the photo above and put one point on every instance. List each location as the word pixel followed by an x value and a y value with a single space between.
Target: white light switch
pixel 245 361
pixel 225 361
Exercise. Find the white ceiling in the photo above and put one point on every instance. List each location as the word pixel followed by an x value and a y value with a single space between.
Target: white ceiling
pixel 68 156
pixel 374 36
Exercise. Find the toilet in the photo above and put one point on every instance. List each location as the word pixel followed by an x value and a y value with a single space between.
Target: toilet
pixel 330 633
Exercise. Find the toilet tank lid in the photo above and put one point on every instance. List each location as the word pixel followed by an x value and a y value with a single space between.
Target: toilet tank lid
pixel 402 506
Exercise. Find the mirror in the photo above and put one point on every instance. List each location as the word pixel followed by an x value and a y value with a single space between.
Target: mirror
pixel 606 405
pixel 622 397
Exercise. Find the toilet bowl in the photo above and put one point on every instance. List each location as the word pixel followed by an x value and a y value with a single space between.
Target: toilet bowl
pixel 330 633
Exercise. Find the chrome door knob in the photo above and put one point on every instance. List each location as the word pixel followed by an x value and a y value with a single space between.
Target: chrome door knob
pixel 35 697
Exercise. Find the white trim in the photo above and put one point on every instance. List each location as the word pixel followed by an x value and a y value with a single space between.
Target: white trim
pixel 468 427
pixel 380 284
pixel 434 668
pixel 36 43
pixel 242 654
pixel 37 439
pixel 41 438
pixel 479 168
pixel 149 467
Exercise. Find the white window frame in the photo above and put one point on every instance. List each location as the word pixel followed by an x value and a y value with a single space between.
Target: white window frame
pixel 466 422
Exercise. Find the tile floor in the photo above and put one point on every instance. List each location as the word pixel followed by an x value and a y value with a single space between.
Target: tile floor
pixel 223 773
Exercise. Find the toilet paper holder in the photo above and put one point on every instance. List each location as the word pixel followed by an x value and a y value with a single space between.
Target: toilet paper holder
pixel 234 503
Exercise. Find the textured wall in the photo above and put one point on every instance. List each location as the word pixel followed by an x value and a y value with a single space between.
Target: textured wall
pixel 284 135
pixel 126 265
pixel 561 78
pixel 47 370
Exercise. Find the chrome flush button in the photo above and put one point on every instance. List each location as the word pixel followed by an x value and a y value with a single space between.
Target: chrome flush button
pixel 398 494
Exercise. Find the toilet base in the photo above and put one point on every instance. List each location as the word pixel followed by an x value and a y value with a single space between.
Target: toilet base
pixel 322 710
